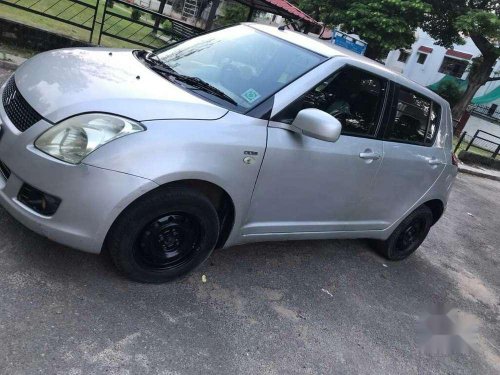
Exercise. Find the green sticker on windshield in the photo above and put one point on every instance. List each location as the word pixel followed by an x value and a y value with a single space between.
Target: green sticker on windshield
pixel 251 95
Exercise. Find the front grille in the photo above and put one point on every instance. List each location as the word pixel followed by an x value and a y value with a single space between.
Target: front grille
pixel 17 108
pixel 4 170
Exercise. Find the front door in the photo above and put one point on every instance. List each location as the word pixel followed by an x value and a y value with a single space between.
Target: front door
pixel 309 185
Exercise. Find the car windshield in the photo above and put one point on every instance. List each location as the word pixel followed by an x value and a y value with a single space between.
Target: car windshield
pixel 245 64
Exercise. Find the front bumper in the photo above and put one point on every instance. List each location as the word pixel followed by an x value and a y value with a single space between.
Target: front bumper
pixel 92 197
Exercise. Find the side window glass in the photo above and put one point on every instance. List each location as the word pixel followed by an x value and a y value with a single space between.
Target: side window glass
pixel 434 123
pixel 353 96
pixel 412 117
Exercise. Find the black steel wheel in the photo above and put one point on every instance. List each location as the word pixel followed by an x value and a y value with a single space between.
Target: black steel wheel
pixel 164 235
pixel 168 242
pixel 414 233
pixel 408 236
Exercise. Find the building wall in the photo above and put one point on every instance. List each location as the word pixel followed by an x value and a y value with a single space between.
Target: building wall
pixel 428 73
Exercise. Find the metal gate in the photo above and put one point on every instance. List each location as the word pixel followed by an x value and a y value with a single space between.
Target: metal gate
pixel 134 24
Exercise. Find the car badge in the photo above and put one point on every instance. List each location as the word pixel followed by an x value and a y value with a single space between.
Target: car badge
pixel 10 98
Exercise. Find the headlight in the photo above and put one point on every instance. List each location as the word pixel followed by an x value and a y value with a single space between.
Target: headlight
pixel 75 138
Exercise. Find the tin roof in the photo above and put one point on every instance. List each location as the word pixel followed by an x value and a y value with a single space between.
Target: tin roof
pixel 425 49
pixel 279 7
pixel 460 55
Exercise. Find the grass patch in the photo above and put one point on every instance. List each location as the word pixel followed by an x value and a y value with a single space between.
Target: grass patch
pixel 64 9
pixel 84 16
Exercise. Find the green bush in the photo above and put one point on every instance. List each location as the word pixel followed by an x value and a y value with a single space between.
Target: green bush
pixel 167 26
pixel 136 14
pixel 449 90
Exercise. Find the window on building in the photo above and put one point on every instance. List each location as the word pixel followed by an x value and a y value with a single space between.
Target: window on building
pixel 422 57
pixel 352 96
pixel 403 56
pixel 453 67
pixel 412 118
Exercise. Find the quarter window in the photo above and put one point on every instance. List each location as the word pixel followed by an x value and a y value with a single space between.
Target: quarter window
pixel 416 119
pixel 353 96
pixel 433 124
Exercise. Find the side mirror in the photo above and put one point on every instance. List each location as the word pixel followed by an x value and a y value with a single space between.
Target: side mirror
pixel 318 124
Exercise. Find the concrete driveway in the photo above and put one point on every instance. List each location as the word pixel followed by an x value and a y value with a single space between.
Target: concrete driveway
pixel 315 307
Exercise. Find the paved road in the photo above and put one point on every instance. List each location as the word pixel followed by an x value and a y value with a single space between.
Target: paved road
pixel 316 307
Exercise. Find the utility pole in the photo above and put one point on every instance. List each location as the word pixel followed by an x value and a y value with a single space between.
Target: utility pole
pixel 251 13
pixel 212 14
pixel 157 20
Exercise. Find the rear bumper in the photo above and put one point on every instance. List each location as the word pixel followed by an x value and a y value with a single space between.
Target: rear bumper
pixel 91 197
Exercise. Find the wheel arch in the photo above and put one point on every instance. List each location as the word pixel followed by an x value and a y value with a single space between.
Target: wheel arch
pixel 218 196
pixel 437 208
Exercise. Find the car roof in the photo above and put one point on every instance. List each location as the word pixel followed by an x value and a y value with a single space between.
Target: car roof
pixel 329 50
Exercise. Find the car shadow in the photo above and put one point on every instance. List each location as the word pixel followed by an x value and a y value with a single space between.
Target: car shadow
pixel 286 265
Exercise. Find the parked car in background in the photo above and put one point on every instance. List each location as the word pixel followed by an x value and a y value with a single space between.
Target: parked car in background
pixel 245 134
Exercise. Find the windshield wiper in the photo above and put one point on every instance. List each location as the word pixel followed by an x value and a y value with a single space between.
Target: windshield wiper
pixel 205 86
pixel 161 67
pixel 152 59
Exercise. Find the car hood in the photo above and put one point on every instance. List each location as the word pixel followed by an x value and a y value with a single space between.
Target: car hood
pixel 61 83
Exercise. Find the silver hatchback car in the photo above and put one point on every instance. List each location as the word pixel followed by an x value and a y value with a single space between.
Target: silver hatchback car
pixel 249 133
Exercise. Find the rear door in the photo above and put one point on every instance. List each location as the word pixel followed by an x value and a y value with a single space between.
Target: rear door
pixel 411 162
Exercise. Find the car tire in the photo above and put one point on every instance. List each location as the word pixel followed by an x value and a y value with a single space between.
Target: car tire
pixel 408 235
pixel 164 235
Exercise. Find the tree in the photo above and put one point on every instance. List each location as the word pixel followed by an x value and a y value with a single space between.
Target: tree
pixel 233 12
pixel 318 9
pixel 449 21
pixel 385 24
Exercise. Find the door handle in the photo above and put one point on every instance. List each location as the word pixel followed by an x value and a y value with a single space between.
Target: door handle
pixel 369 155
pixel 434 162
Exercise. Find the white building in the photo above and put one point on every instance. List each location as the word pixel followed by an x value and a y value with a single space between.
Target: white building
pixel 427 63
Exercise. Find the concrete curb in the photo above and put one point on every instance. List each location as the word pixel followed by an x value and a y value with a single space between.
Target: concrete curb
pixel 478 173
pixel 10 65
pixel 9 61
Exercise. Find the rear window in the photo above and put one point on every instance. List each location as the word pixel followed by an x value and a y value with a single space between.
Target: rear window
pixel 416 119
